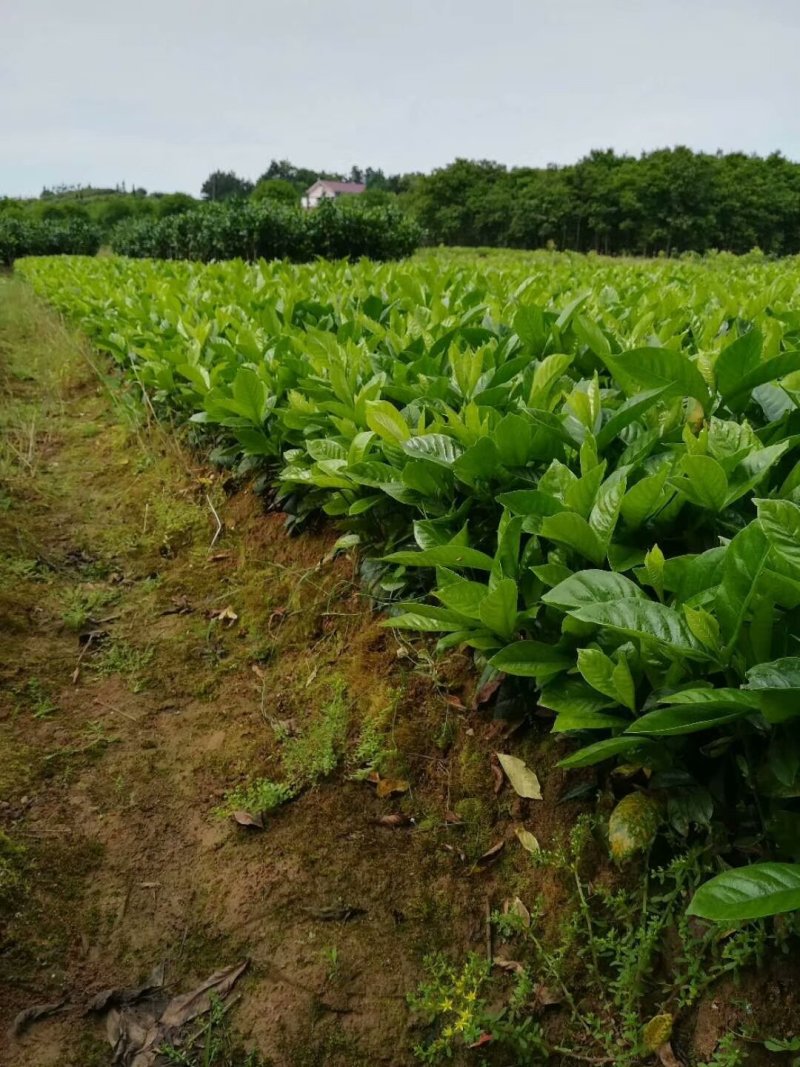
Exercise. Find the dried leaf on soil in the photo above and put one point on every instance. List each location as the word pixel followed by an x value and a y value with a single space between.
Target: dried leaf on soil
pixel 484 1039
pixel 394 820
pixel 516 907
pixel 32 1015
pixel 335 913
pixel 252 822
pixel 225 615
pixel 523 780
pixel 491 854
pixel 508 965
pixel 527 840
pixel 667 1057
pixel 387 787
pixel 182 1009
pixel 114 997
pixel 487 691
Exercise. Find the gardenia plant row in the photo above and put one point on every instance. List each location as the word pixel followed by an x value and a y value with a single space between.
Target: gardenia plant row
pixel 586 471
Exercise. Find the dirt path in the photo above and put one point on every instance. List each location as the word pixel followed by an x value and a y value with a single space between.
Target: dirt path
pixel 151 663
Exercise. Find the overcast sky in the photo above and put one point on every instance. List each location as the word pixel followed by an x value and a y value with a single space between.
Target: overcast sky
pixel 161 92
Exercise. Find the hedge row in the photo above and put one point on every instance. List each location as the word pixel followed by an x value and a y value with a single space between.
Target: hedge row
pixel 252 230
pixel 29 237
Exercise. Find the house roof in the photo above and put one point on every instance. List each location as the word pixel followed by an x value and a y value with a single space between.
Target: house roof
pixel 338 187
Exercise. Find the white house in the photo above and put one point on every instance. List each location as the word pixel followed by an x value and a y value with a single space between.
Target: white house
pixel 325 190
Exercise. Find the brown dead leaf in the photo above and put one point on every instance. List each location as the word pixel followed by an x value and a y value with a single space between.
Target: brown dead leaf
pixel 32 1015
pixel 497 778
pixel 491 854
pixel 487 691
pixel 453 819
pixel 667 1057
pixel 182 1009
pixel 484 1039
pixel 547 997
pixel 125 995
pixel 387 787
pixel 455 702
pixel 518 908
pixel 394 820
pixel 250 822
pixel 508 965
pixel 224 615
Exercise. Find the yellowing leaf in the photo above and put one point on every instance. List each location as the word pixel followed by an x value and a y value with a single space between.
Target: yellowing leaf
pixel 657 1032
pixel 523 780
pixel 633 825
pixel 527 840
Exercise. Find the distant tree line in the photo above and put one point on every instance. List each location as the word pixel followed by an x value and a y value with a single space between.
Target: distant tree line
pixel 671 201
pixel 668 201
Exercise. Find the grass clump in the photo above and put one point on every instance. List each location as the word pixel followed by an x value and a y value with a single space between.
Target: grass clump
pixel 315 754
pixel 258 797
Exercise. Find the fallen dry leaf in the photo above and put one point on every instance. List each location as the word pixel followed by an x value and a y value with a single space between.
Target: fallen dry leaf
pixel 518 908
pixel 527 840
pixel 487 691
pixel 547 997
pixel 452 819
pixel 508 965
pixel 491 854
pixel 668 1057
pixel 497 778
pixel 224 615
pixel 484 1039
pixel 251 822
pixel 122 995
pixel 32 1015
pixel 523 780
pixel 455 702
pixel 182 1009
pixel 394 820
pixel 387 787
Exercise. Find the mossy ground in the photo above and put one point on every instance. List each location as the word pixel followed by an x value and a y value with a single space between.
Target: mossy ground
pixel 151 669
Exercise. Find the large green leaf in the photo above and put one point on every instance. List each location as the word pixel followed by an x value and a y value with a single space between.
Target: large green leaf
pixel 736 361
pixel 629 412
pixel 611 746
pixel 435 447
pixel 386 421
pixel 754 892
pixel 645 620
pixel 659 368
pixel 777 686
pixel 780 521
pixel 592 587
pixel 703 482
pixel 745 559
pixel 692 710
pixel 569 529
pixel 527 502
pixel 531 659
pixel 498 610
pixel 458 556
